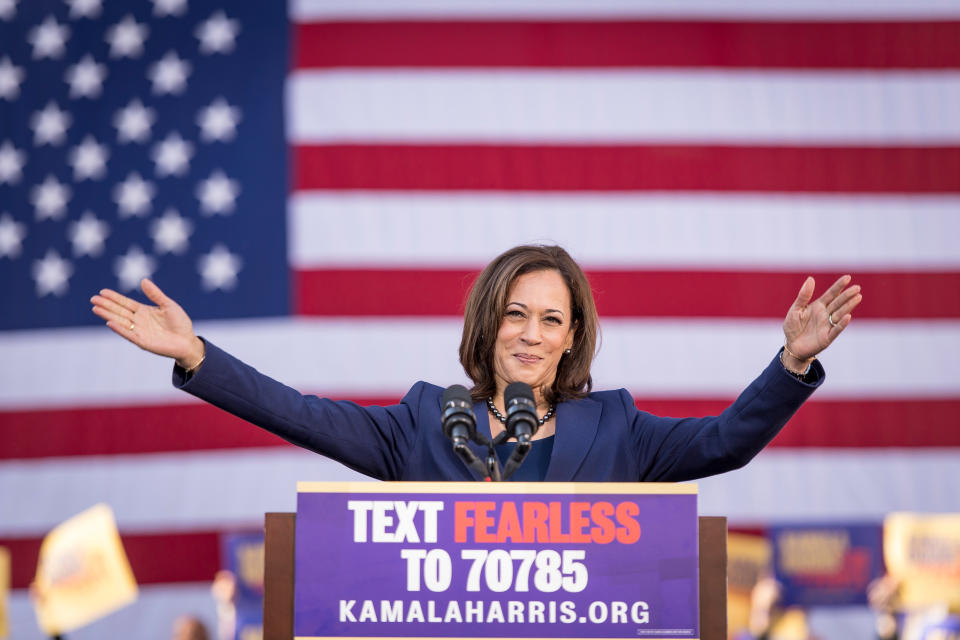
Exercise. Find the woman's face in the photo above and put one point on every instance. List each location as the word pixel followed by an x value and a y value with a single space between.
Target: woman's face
pixel 535 330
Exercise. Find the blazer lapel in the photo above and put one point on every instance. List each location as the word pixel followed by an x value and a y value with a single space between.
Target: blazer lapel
pixel 577 423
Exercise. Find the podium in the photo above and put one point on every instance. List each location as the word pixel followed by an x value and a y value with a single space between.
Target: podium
pixel 279 575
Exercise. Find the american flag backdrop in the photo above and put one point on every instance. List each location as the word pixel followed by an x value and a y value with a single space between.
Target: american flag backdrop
pixel 318 183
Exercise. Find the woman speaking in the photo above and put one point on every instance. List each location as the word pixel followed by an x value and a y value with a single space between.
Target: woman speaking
pixel 530 317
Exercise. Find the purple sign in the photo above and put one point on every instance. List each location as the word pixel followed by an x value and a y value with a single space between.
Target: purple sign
pixel 514 560
pixel 826 564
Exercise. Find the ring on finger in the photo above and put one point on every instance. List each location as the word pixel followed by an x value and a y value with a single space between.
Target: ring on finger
pixel 133 326
pixel 829 319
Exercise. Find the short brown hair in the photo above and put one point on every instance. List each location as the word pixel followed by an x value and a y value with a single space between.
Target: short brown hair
pixel 486 306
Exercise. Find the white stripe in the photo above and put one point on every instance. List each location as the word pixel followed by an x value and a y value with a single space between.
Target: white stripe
pixel 151 617
pixel 161 492
pixel 174 492
pixel 626 230
pixel 619 106
pixel 385 356
pixel 796 484
pixel 304 10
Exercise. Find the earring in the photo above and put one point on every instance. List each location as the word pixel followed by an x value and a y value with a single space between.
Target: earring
pixel 567 352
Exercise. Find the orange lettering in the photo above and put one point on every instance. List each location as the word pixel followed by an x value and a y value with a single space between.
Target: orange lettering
pixel 605 531
pixel 556 524
pixel 484 522
pixel 509 529
pixel 629 531
pixel 461 521
pixel 579 522
pixel 535 522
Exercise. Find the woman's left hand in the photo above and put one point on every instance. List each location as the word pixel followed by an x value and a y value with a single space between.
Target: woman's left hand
pixel 810 327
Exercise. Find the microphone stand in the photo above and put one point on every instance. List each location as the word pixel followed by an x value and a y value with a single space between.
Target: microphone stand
pixel 493 465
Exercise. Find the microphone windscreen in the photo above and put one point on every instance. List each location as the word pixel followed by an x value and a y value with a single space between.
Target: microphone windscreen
pixel 518 391
pixel 456 392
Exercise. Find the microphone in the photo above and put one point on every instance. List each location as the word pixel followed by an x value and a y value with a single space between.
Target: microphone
pixel 521 411
pixel 460 425
pixel 521 423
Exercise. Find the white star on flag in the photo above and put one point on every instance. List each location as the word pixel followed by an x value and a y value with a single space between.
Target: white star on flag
pixel 49 39
pixel 170 232
pixel 169 7
pixel 10 78
pixel 89 160
pixel 12 234
pixel 169 75
pixel 86 78
pixel 217 194
pixel 126 38
pixel 8 8
pixel 51 274
pixel 50 199
pixel 217 34
pixel 133 196
pixel 132 267
pixel 88 234
pixel 84 8
pixel 133 122
pixel 172 155
pixel 11 163
pixel 219 269
pixel 218 121
pixel 50 125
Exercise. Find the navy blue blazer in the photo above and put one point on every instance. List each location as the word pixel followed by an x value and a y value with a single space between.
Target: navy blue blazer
pixel 602 437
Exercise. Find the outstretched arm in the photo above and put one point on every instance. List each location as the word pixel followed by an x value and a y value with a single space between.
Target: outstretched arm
pixel 164 329
pixel 810 327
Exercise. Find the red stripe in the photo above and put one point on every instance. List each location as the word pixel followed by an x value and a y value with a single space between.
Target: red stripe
pixel 130 430
pixel 628 168
pixel 697 294
pixel 859 423
pixel 873 423
pixel 613 44
pixel 155 558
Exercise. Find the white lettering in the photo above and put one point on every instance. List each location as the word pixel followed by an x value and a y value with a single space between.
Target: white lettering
pixel 597 611
pixel 414 558
pixel 495 612
pixel 474 611
pixel 430 510
pixel 391 611
pixel 415 612
pixel 360 509
pixel 367 612
pixel 640 612
pixel 381 521
pixel 453 612
pixel 535 612
pixel 406 526
pixel 515 612
pixel 618 612
pixel 432 612
pixel 346 613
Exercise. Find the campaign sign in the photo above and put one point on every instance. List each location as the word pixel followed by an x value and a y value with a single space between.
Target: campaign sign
pixel 510 560
pixel 826 564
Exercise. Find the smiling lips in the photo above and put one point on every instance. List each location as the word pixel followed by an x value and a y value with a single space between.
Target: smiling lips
pixel 526 358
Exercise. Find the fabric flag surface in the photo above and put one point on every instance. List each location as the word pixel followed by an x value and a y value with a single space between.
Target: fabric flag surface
pixel 317 184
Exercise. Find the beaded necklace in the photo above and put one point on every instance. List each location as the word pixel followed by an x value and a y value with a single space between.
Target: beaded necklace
pixel 502 418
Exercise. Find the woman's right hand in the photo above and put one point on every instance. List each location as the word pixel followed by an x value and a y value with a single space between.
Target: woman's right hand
pixel 164 329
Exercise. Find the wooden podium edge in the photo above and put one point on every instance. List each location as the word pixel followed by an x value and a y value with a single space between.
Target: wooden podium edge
pixel 279 538
pixel 278 554
pixel 713 577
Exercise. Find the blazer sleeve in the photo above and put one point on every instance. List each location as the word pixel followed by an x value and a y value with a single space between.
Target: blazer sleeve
pixel 678 449
pixel 372 440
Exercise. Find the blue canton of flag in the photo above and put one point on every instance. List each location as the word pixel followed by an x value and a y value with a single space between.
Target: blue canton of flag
pixel 142 139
